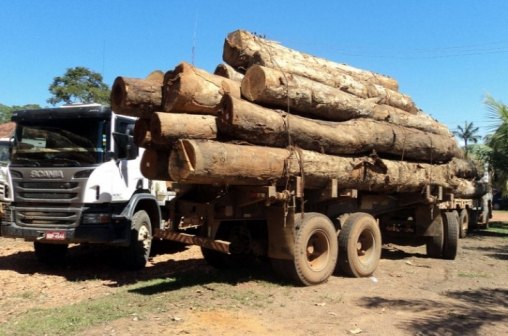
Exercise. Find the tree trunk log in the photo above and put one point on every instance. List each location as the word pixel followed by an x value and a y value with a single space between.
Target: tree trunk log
pixel 211 162
pixel 154 164
pixel 142 134
pixel 273 55
pixel 168 127
pixel 241 47
pixel 136 97
pixel 314 99
pixel 247 121
pixel 192 90
pixel 227 71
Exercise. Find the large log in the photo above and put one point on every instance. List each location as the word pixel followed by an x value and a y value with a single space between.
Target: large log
pixel 142 135
pixel 211 162
pixel 192 90
pixel 258 125
pixel 310 98
pixel 167 127
pixel 227 71
pixel 135 96
pixel 154 164
pixel 241 47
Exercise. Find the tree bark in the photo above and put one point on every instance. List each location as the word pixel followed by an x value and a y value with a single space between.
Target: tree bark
pixel 192 90
pixel 154 164
pixel 168 127
pixel 136 97
pixel 211 162
pixel 313 99
pixel 242 47
pixel 247 121
pixel 227 71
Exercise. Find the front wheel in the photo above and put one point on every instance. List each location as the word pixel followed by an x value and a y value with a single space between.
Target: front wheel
pixel 135 256
pixel 359 245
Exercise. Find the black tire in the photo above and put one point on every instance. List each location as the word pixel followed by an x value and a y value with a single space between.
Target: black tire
pixel 315 251
pixel 463 223
pixel 473 219
pixel 359 245
pixel 451 235
pixel 435 243
pixel 135 256
pixel 51 254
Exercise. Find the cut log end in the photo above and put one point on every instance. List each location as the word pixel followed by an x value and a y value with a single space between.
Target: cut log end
pixel 118 93
pixel 253 84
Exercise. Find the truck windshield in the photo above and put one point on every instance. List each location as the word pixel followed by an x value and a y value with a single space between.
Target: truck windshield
pixel 4 152
pixel 59 143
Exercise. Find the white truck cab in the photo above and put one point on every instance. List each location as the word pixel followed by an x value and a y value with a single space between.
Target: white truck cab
pixel 76 179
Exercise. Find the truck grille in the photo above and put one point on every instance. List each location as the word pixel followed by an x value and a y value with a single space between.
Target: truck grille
pixel 2 192
pixel 47 201
pixel 46 217
pixel 47 191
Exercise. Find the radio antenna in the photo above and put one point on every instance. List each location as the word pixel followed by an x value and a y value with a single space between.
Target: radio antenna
pixel 194 38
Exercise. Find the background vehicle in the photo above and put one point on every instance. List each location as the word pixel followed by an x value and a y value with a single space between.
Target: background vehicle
pixel 4 177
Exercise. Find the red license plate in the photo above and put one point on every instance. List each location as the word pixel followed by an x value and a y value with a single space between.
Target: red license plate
pixel 55 235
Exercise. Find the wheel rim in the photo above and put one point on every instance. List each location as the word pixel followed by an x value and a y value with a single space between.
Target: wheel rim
pixel 318 251
pixel 144 236
pixel 365 246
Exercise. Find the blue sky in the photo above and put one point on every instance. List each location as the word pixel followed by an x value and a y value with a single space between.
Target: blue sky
pixel 445 54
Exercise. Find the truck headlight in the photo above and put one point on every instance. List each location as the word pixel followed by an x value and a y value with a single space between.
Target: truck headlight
pixel 97 218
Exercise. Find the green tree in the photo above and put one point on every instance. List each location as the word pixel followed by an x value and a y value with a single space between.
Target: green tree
pixel 6 111
pixel 79 85
pixel 468 133
pixel 498 141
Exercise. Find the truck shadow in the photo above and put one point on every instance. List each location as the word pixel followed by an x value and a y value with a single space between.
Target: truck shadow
pixel 464 315
pixel 101 263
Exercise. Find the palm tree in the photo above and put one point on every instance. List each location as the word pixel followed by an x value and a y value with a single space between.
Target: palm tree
pixel 498 141
pixel 468 133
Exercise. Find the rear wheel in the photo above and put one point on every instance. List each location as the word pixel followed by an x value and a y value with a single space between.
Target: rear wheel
pixel 451 235
pixel 435 243
pixel 135 256
pixel 359 245
pixel 463 223
pixel 50 253
pixel 315 251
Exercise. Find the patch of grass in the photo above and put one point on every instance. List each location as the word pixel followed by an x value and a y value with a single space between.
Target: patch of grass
pixel 26 295
pixel 472 275
pixel 500 228
pixel 70 319
pixel 140 300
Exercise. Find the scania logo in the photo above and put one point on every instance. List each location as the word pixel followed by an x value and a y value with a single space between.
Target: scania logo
pixel 52 174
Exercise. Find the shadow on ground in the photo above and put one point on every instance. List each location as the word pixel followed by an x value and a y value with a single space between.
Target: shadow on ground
pixel 102 263
pixel 464 315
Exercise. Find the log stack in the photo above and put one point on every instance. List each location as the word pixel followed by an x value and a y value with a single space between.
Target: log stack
pixel 270 113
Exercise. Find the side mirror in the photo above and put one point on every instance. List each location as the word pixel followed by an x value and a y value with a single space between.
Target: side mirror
pixel 124 146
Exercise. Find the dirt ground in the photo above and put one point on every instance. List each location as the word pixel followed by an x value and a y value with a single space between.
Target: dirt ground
pixel 409 294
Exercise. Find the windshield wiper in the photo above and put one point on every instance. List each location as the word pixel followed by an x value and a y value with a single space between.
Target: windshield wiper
pixel 25 161
pixel 61 160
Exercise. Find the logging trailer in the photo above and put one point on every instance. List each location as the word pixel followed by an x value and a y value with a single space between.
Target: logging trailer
pixel 76 179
